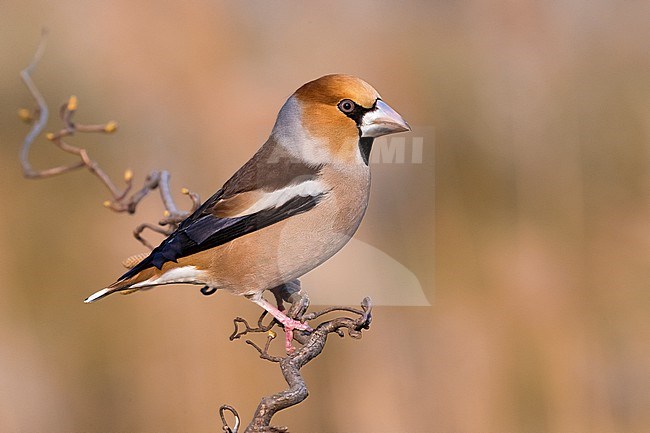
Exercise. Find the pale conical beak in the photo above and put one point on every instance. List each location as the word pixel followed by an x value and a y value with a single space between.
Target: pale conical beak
pixel 382 120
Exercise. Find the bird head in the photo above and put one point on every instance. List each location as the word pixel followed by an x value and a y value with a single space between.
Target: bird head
pixel 334 119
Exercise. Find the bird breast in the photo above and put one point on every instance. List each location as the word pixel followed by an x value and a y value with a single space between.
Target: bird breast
pixel 289 249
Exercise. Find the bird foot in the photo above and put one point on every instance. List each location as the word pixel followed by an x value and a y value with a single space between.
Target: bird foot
pixel 290 325
pixel 287 322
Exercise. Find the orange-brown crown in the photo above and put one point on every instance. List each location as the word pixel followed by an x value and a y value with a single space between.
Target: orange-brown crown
pixel 331 89
pixel 322 118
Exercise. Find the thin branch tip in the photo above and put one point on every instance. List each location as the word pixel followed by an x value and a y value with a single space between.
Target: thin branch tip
pixel 222 414
pixel 110 127
pixel 72 103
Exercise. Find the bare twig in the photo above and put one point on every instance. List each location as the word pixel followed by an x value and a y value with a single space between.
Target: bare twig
pixel 40 113
pixel 121 200
pixel 261 327
pixel 264 353
pixel 226 427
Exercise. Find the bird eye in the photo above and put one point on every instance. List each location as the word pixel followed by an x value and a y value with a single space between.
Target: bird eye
pixel 346 106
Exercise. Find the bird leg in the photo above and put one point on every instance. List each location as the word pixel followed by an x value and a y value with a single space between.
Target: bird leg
pixel 288 292
pixel 287 322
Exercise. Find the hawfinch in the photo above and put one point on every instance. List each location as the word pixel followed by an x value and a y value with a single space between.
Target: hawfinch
pixel 292 206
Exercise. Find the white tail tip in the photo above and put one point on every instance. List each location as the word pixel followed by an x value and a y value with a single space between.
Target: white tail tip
pixel 97 295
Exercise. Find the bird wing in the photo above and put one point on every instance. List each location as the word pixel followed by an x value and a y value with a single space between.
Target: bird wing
pixel 221 219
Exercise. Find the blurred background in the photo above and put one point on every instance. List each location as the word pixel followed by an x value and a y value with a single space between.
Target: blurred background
pixel 526 223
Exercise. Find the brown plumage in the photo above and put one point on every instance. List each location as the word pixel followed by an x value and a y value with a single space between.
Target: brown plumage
pixel 293 205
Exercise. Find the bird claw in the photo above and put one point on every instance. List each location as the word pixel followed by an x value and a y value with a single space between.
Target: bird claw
pixel 290 325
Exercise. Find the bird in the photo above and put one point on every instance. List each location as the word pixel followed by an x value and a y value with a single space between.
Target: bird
pixel 287 210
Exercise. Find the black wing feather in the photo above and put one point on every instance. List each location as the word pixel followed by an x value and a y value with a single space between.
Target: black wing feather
pixel 202 230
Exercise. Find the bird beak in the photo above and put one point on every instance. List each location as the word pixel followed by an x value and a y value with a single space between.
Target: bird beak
pixel 382 120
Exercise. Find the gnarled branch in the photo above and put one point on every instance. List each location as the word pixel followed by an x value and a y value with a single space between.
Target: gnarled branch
pixel 290 365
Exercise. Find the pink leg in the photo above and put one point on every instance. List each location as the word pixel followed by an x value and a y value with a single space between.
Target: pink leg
pixel 286 321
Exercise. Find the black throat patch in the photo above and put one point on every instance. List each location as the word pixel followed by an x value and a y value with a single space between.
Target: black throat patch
pixel 365 143
pixel 365 146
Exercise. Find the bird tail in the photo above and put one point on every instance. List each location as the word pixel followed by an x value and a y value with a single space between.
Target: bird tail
pixel 123 285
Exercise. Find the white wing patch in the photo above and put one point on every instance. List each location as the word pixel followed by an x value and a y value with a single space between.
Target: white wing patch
pixel 185 274
pixel 281 196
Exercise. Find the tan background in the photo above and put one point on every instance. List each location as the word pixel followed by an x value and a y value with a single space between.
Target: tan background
pixel 534 186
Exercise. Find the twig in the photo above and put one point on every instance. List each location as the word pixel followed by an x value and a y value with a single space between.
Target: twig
pixel 121 200
pixel 264 353
pixel 226 427
pixel 41 113
pixel 249 329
